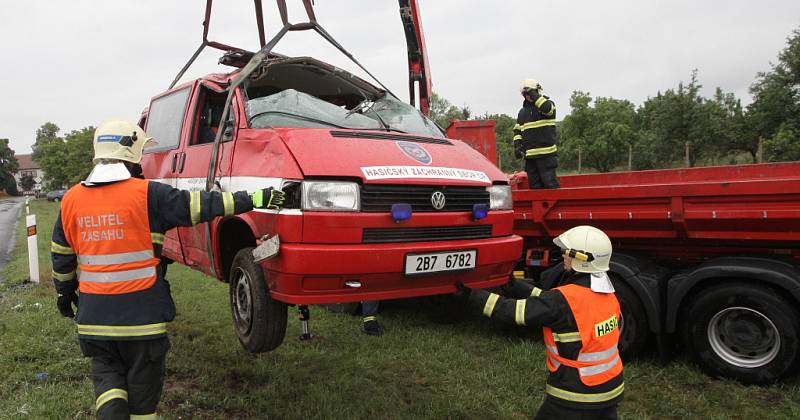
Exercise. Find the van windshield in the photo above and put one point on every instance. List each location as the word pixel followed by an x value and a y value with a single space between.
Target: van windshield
pixel 291 108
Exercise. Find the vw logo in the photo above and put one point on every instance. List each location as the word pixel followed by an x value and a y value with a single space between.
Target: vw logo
pixel 438 200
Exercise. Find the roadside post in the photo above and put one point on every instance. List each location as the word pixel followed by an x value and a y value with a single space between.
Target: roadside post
pixel 33 250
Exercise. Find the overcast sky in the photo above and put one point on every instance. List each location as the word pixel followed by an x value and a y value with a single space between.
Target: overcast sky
pixel 78 62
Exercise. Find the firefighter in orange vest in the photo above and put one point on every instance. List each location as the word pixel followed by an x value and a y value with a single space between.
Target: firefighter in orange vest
pixel 580 319
pixel 111 228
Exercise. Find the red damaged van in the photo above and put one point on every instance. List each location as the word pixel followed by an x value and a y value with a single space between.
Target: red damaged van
pixel 380 204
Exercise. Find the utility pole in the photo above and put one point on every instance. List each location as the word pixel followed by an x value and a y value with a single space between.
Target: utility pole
pixel 630 157
pixel 760 153
pixel 687 155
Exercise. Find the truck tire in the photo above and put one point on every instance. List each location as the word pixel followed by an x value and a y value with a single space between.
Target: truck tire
pixel 634 330
pixel 259 321
pixel 743 331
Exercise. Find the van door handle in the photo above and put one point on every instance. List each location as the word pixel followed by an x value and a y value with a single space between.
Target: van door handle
pixel 180 165
pixel 174 162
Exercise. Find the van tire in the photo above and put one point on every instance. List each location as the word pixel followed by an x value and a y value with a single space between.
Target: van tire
pixel 762 344
pixel 258 320
pixel 634 329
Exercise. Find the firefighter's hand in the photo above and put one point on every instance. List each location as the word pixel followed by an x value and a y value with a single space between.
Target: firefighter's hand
pixel 518 152
pixel 463 292
pixel 65 302
pixel 268 198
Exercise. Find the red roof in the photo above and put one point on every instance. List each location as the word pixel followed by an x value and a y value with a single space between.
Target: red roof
pixel 26 163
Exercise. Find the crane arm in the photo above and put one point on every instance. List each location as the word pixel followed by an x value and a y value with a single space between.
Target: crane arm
pixel 419 79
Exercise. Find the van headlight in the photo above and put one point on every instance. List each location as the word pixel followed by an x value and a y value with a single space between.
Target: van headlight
pixel 331 196
pixel 500 197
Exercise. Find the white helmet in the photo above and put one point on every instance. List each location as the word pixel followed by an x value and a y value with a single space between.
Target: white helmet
pixel 117 139
pixel 530 84
pixel 589 248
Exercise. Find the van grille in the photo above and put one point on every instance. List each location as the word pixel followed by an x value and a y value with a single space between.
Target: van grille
pixel 379 198
pixel 422 234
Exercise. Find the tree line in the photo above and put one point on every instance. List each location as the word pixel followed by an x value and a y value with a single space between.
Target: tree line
pixel 65 160
pixel 674 128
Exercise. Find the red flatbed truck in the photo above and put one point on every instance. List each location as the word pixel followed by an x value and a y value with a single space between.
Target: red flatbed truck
pixel 706 254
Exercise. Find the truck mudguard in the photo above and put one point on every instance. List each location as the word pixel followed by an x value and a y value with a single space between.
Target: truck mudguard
pixel 645 279
pixel 777 272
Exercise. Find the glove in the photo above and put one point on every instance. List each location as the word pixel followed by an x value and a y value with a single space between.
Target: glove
pixel 268 198
pixel 463 292
pixel 518 152
pixel 65 302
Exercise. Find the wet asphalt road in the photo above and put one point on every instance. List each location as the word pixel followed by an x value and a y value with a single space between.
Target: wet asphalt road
pixel 9 215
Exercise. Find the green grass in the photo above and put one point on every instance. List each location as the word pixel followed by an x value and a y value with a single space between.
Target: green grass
pixel 473 368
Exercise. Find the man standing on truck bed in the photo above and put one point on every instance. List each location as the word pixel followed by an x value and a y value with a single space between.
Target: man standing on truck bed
pixel 112 227
pixel 580 319
pixel 535 136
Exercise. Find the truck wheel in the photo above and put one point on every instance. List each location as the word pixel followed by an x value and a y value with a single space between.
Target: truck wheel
pixel 745 332
pixel 259 321
pixel 634 330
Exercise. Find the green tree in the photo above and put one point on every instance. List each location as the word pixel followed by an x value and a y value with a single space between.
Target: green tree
pixel 67 161
pixel 730 126
pixel 666 123
pixel 602 133
pixel 79 152
pixel 45 134
pixel 26 182
pixel 774 114
pixel 8 166
pixel 443 112
pixel 52 158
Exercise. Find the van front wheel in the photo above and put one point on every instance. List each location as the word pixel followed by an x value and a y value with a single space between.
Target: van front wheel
pixel 259 321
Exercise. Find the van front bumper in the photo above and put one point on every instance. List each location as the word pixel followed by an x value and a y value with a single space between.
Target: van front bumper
pixel 334 273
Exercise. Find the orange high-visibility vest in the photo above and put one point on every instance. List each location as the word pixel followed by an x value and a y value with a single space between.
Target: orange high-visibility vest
pixel 109 230
pixel 597 316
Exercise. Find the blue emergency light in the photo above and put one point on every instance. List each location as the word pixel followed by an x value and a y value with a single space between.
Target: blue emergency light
pixel 480 211
pixel 401 212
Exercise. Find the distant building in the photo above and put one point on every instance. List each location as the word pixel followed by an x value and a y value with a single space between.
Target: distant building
pixel 28 166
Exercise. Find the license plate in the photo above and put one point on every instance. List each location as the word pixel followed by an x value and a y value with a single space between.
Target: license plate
pixel 440 261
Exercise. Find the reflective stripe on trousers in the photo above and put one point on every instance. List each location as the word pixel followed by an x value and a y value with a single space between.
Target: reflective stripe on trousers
pixel 123 331
pixel 110 395
pixel 585 398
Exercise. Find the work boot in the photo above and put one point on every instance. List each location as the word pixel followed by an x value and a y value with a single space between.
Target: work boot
pixel 371 326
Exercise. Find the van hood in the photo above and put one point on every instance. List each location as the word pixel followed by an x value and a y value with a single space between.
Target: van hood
pixel 388 157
